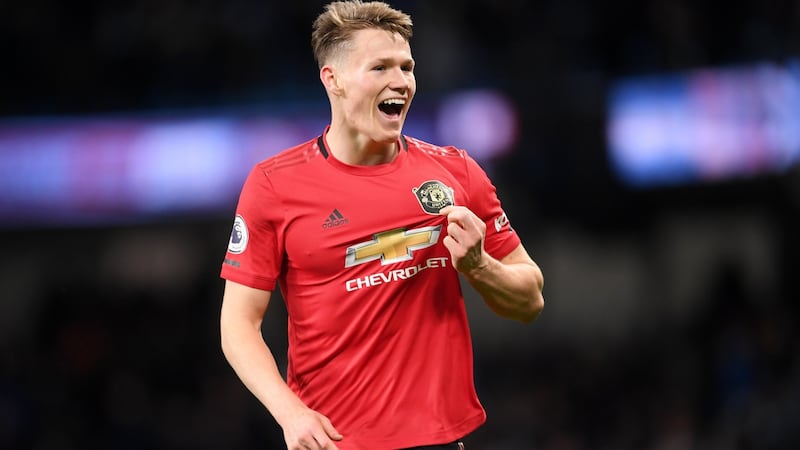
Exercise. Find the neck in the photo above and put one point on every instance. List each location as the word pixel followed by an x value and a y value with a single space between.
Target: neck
pixel 356 149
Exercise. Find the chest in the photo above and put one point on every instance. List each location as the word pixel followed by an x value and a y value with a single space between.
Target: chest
pixel 346 223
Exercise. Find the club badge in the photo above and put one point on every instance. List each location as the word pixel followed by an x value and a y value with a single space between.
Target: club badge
pixel 433 196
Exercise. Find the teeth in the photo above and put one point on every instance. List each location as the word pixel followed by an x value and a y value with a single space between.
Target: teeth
pixel 394 101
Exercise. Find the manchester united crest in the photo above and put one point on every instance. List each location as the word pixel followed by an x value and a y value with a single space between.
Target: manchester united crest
pixel 433 195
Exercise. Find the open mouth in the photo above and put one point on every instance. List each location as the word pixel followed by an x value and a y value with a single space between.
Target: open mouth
pixel 392 106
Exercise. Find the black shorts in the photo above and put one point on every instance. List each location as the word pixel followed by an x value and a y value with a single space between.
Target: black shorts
pixel 457 445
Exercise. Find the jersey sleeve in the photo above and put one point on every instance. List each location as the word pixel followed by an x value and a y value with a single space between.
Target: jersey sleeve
pixel 255 250
pixel 501 238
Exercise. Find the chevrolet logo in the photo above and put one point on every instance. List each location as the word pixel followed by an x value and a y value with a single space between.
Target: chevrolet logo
pixel 392 246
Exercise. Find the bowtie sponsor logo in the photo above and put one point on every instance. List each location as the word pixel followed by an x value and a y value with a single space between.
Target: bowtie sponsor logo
pixel 392 246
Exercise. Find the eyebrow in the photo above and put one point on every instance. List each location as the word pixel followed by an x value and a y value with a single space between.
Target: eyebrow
pixel 392 60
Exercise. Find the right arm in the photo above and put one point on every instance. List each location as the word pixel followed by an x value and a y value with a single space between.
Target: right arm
pixel 243 344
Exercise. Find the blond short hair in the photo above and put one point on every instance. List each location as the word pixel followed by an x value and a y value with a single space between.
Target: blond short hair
pixel 334 28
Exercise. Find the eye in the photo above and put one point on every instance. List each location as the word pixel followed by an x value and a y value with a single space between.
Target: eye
pixel 379 68
pixel 408 68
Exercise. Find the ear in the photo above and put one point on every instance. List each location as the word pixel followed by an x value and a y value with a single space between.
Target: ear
pixel 330 79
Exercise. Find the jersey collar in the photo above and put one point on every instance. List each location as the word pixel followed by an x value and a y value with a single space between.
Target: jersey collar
pixel 324 149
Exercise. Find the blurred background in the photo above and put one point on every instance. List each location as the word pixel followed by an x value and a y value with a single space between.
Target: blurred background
pixel 646 151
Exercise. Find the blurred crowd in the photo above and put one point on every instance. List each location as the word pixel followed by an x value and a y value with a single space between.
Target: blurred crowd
pixel 110 341
pixel 109 336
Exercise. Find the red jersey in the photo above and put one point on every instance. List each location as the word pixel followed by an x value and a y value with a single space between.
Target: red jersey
pixel 378 333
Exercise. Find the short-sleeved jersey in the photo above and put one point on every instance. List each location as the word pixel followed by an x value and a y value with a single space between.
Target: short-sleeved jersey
pixel 378 333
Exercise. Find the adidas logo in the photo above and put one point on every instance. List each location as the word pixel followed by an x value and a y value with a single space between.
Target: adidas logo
pixel 336 219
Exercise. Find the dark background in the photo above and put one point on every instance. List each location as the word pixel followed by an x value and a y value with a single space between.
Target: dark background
pixel 671 317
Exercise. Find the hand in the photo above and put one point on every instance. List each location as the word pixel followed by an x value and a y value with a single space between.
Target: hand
pixel 310 430
pixel 464 240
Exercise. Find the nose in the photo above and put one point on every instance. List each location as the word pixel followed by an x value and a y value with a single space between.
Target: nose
pixel 400 80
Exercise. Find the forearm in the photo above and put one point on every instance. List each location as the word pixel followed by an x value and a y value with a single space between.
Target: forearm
pixel 511 290
pixel 252 360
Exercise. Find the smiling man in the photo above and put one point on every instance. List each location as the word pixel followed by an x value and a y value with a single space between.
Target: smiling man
pixel 365 232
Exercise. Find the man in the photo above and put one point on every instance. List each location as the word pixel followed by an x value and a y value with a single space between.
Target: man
pixel 365 231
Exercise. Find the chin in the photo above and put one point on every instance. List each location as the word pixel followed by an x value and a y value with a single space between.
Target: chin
pixel 391 137
pixel 385 137
pixel 389 134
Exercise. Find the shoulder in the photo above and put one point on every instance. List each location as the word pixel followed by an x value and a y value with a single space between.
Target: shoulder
pixel 456 160
pixel 292 157
pixel 448 151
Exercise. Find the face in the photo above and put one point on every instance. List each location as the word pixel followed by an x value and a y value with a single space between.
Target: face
pixel 376 84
